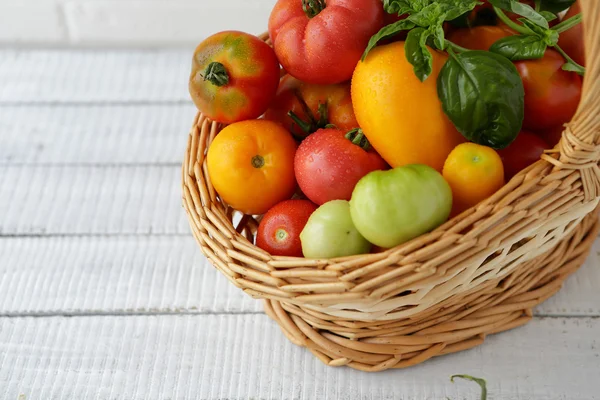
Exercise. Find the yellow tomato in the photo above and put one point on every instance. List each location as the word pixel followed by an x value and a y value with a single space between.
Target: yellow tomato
pixel 251 165
pixel 474 173
pixel 401 116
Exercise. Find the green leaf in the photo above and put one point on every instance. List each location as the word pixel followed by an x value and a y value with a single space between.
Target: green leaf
pixel 549 36
pixel 418 54
pixel 456 8
pixel 481 382
pixel 439 38
pixel 521 47
pixel 387 32
pixel 548 15
pixel 397 6
pixel 556 6
pixel 524 10
pixel 483 95
pixel 569 66
pixel 430 15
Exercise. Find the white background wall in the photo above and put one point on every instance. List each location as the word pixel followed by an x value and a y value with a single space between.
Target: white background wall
pixel 125 23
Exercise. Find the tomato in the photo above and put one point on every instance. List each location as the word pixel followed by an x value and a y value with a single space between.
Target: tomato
pixel 320 41
pixel 480 37
pixel 234 77
pixel 402 116
pixel 328 165
pixel 571 41
pixel 313 107
pixel 330 233
pixel 474 173
pixel 392 207
pixel 251 165
pixel 551 94
pixel 524 151
pixel 279 231
pixel 552 136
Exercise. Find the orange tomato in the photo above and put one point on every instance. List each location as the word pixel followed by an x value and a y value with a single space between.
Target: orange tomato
pixel 401 116
pixel 316 106
pixel 480 37
pixel 474 173
pixel 251 165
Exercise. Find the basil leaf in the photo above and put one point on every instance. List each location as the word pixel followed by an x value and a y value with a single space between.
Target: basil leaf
pixel 569 66
pixel 397 7
pixel 439 38
pixel 523 10
pixel 548 15
pixel 483 95
pixel 387 32
pixel 521 47
pixel 418 54
pixel 549 36
pixel 430 15
pixel 456 8
pixel 556 6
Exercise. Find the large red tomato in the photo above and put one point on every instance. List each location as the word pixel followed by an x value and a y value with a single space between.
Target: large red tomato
pixel 480 37
pixel 571 41
pixel 552 95
pixel 524 151
pixel 321 41
pixel 280 229
pixel 328 165
pixel 234 77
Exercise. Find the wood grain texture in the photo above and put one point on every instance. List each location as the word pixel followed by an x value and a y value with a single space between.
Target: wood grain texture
pixel 166 274
pixel 243 357
pixel 97 134
pixel 89 77
pixel 90 200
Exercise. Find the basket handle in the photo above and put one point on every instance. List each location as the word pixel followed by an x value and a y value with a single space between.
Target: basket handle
pixel 580 144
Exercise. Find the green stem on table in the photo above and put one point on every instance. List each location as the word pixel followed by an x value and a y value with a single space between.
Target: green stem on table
pixel 568 24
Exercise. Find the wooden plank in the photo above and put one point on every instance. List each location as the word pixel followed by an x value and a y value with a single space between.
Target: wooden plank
pixel 161 274
pixel 156 23
pixel 75 275
pixel 60 200
pixel 86 76
pixel 241 357
pixel 97 134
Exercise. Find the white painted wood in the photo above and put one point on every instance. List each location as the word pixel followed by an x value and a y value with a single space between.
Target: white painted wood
pixel 85 76
pixel 157 274
pixel 77 275
pixel 62 200
pixel 31 21
pixel 101 134
pixel 244 357
pixel 159 22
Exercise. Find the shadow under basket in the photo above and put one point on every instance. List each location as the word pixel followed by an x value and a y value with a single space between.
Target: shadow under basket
pixel 480 273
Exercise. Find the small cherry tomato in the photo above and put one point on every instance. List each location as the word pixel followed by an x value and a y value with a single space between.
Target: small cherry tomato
pixel 321 41
pixel 251 165
pixel 330 162
pixel 552 95
pixel 234 77
pixel 480 37
pixel 304 108
pixel 280 229
pixel 524 151
pixel 571 41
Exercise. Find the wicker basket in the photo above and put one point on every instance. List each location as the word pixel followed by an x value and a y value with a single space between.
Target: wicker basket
pixel 481 273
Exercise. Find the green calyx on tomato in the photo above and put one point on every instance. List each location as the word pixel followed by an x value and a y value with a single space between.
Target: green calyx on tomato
pixel 357 137
pixel 314 123
pixel 216 73
pixel 312 8
pixel 330 233
pixel 392 207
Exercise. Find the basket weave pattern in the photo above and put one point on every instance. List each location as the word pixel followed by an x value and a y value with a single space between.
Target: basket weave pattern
pixel 481 273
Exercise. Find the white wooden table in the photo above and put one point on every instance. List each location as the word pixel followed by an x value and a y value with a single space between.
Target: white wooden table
pixel 104 294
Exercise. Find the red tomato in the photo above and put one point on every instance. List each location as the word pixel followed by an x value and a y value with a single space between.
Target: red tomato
pixel 280 229
pixel 524 151
pixel 328 165
pixel 571 41
pixel 551 94
pixel 320 41
pixel 480 37
pixel 315 107
pixel 234 77
pixel 552 136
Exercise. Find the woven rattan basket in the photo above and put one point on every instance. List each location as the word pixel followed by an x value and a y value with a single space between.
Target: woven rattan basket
pixel 481 273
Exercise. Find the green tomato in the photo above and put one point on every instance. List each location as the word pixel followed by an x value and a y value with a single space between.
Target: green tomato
pixel 392 207
pixel 330 233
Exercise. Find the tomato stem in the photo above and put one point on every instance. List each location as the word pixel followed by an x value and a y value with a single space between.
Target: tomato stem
pixel 568 24
pixel 312 8
pixel 357 137
pixel 216 73
pixel 312 125
pixel 258 161
pixel 511 24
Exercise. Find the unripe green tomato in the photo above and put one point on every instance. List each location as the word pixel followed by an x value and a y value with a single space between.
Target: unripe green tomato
pixel 392 207
pixel 330 233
